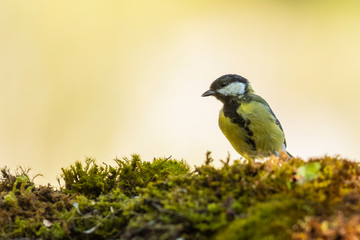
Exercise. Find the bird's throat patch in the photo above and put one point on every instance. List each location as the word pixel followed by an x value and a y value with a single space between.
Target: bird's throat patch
pixel 230 111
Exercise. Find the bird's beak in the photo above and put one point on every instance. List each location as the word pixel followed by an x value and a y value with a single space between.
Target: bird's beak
pixel 208 93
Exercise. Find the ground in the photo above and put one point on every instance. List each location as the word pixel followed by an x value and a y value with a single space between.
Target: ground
pixel 279 198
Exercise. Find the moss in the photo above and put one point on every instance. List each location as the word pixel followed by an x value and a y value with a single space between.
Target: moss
pixel 23 207
pixel 92 179
pixel 272 219
pixel 11 200
pixel 278 199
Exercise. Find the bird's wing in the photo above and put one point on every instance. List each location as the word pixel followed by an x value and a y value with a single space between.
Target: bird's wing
pixel 259 99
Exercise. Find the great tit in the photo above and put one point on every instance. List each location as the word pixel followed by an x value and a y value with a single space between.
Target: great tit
pixel 246 119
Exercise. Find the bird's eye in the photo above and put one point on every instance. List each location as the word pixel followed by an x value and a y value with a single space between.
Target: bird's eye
pixel 223 84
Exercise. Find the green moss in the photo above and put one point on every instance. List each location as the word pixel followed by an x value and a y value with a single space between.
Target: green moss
pixel 163 199
pixel 272 219
pixel 92 179
pixel 24 207
pixel 11 200
pixel 58 230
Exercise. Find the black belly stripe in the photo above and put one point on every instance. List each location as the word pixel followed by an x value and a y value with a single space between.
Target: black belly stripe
pixel 248 131
pixel 251 143
pixel 230 112
pixel 229 109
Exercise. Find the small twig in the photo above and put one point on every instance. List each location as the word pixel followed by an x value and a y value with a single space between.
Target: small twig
pixel 226 163
pixel 165 160
pixel 208 159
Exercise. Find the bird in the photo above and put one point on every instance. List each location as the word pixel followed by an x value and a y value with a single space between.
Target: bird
pixel 246 119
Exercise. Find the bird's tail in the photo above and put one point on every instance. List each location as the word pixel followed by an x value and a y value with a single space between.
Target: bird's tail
pixel 284 149
pixel 289 154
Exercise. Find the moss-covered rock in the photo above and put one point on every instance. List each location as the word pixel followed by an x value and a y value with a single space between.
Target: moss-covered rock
pixel 276 199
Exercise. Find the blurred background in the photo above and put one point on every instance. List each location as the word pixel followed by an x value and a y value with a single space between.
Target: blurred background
pixel 107 79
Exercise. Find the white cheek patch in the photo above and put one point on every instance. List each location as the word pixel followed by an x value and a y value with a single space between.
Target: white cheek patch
pixel 233 89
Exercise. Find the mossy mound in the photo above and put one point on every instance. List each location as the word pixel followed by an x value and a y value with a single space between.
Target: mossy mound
pixel 163 199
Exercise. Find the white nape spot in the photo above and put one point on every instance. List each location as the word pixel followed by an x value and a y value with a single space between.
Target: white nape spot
pixel 233 89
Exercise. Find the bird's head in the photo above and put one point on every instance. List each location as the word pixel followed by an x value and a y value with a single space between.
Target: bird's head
pixel 229 86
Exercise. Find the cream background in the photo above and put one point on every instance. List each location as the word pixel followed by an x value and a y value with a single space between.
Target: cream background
pixel 111 78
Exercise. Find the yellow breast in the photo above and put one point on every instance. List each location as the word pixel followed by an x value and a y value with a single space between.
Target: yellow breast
pixel 265 136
